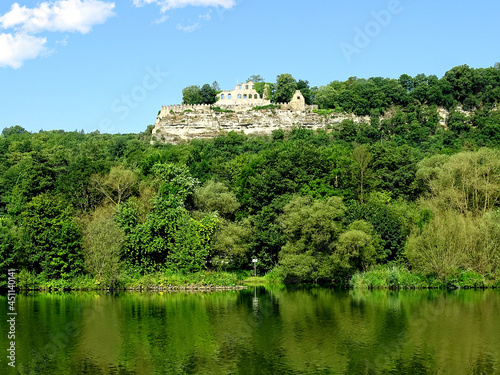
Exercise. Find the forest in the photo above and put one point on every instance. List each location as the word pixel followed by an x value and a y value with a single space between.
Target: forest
pixel 396 201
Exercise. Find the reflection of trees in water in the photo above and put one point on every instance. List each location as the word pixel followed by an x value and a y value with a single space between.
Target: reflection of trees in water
pixel 274 330
pixel 89 366
pixel 484 364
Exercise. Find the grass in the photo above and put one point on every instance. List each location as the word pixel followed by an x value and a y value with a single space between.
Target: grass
pixel 272 277
pixel 254 280
pixel 378 277
pixel 266 107
pixel 219 109
pixel 323 112
pixel 28 281
pixel 175 279
pixel 275 276
pixel 399 277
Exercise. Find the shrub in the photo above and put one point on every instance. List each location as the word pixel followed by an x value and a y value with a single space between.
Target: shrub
pixel 219 109
pixel 466 279
pixel 26 280
pixel 274 276
pixel 323 112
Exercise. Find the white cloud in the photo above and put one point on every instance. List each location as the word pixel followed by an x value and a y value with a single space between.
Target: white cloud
pixel 195 26
pixel 172 4
pixel 206 17
pixel 56 16
pixel 61 15
pixel 15 49
pixel 189 28
pixel 161 20
pixel 63 42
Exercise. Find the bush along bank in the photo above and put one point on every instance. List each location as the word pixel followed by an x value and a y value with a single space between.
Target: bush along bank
pixel 399 277
pixel 377 277
pixel 159 281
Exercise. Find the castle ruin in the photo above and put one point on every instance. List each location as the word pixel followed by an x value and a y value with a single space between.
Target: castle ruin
pixel 243 93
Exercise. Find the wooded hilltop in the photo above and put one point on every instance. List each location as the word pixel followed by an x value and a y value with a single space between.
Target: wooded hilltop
pixel 395 202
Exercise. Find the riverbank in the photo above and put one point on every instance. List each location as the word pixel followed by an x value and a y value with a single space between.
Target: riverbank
pixel 379 277
pixel 399 277
pixel 260 330
pixel 160 281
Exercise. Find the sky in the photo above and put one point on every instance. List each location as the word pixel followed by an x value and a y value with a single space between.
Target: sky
pixel 110 65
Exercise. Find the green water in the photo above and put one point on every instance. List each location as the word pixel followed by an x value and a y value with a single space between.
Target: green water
pixel 256 331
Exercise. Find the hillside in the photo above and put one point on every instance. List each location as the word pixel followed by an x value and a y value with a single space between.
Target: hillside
pixel 450 100
pixel 415 187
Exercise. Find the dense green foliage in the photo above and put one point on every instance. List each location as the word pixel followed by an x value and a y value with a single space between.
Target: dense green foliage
pixel 312 206
pixel 195 95
pixel 286 86
pixel 471 88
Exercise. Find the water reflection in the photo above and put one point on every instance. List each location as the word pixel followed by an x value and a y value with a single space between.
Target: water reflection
pixel 259 331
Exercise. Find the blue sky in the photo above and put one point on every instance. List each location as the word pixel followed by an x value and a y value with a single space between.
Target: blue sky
pixel 109 66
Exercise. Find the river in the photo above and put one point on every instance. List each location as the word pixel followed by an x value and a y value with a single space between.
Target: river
pixel 261 330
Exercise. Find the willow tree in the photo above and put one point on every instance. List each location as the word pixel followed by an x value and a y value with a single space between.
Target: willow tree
pixel 468 182
pixel 443 246
pixel 117 185
pixel 215 196
pixel 362 157
pixel 102 246
pixel 462 231
pixel 311 229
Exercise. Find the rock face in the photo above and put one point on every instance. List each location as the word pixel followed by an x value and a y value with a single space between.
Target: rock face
pixel 184 122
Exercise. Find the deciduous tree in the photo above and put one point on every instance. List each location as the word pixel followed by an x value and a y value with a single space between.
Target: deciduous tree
pixel 311 229
pixel 215 196
pixel 117 185
pixel 286 86
pixel 362 157
pixel 255 78
pixel 191 95
pixel 51 238
pixel 102 246
pixel 208 94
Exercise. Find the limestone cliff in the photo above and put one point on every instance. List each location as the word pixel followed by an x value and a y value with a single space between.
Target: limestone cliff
pixel 176 123
pixel 184 122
